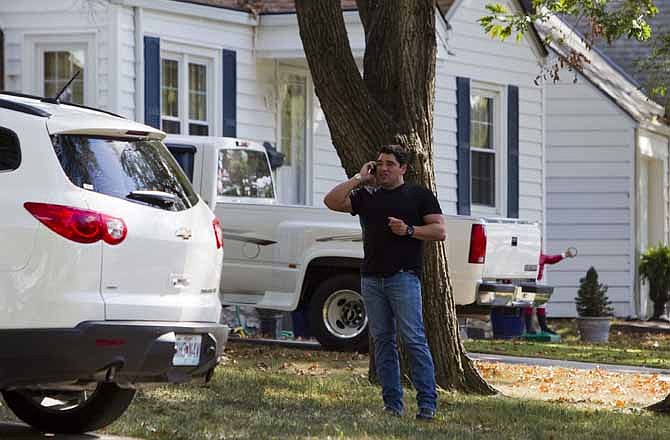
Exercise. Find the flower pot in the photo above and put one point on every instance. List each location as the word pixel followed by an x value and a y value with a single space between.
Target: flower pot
pixel 594 329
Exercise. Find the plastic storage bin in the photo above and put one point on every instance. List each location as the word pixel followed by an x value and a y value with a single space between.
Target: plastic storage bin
pixel 507 322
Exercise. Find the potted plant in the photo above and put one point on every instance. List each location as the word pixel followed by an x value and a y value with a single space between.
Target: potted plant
pixel 593 308
pixel 655 268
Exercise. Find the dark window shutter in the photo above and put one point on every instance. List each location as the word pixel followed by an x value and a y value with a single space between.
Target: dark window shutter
pixel 513 152
pixel 463 139
pixel 152 82
pixel 229 93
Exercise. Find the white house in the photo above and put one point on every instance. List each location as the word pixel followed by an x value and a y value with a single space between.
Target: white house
pixel 218 69
pixel 607 177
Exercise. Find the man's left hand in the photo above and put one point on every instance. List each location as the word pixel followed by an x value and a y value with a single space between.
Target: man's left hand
pixel 398 227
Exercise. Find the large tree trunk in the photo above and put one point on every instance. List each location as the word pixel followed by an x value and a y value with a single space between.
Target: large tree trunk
pixel 392 103
pixel 662 407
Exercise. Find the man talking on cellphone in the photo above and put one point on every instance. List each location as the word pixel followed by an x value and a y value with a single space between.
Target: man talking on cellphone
pixel 396 219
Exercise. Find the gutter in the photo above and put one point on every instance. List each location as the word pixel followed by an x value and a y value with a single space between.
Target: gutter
pixel 192 10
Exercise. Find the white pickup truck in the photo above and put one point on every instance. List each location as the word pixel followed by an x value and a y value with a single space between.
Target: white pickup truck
pixel 282 257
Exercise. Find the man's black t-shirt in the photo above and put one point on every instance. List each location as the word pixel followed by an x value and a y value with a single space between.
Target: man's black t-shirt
pixel 385 252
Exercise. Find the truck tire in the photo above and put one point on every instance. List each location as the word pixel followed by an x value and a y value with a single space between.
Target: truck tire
pixel 69 412
pixel 337 314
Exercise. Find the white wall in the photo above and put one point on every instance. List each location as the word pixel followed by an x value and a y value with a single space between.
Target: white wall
pixel 209 37
pixel 41 21
pixel 498 63
pixel 590 193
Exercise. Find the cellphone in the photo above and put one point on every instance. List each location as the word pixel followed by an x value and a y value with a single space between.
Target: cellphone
pixel 372 168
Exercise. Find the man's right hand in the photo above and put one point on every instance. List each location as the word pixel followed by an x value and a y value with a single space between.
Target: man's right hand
pixel 366 176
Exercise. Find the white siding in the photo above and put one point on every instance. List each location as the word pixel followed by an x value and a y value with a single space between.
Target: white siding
pixel 39 21
pixel 497 63
pixel 126 52
pixel 590 151
pixel 254 120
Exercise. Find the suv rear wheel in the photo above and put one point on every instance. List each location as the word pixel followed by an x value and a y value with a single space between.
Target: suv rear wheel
pixel 69 412
pixel 337 314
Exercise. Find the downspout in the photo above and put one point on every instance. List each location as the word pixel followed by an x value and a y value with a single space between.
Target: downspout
pixel 139 63
pixel 636 301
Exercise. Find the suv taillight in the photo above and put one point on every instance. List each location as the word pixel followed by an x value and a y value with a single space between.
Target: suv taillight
pixel 218 233
pixel 477 245
pixel 80 225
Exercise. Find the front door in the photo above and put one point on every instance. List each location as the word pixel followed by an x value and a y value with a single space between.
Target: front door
pixel 292 176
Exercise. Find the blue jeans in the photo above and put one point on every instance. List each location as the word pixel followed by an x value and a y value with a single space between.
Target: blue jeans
pixel 395 302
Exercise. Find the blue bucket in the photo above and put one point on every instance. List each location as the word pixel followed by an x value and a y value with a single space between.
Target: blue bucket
pixel 507 322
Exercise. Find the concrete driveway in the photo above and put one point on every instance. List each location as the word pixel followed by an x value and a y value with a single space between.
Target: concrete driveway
pixel 16 431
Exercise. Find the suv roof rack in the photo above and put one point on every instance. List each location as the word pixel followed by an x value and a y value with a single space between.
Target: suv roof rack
pixel 52 101
pixel 23 108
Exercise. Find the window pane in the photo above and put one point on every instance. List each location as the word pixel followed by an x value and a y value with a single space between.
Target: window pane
pixel 59 67
pixel 50 89
pixel 50 65
pixel 77 88
pixel 483 178
pixel 172 127
pixel 185 157
pixel 63 65
pixel 198 129
pixel 244 174
pixel 197 91
pixel 481 123
pixel 170 88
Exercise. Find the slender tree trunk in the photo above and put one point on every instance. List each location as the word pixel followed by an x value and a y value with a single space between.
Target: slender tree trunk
pixel 392 103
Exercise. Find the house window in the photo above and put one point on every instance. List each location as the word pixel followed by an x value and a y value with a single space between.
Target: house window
pixel 485 149
pixel 197 99
pixel 59 67
pixel 170 96
pixel 186 85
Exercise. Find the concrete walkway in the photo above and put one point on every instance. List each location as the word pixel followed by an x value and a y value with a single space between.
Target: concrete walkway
pixel 16 431
pixel 541 362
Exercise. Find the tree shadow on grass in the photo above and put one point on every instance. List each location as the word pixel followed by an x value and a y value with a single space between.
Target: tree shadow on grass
pixel 248 405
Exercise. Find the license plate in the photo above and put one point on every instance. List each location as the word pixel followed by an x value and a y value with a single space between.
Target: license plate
pixel 187 350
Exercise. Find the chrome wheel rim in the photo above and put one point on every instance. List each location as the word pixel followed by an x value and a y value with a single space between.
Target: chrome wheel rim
pixel 344 314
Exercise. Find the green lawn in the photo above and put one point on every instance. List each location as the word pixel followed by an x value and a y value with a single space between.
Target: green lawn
pixel 272 393
pixel 625 348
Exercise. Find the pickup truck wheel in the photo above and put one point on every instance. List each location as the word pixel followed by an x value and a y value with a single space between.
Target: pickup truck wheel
pixel 337 314
pixel 69 412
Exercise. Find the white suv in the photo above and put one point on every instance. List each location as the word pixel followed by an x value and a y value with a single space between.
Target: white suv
pixel 109 265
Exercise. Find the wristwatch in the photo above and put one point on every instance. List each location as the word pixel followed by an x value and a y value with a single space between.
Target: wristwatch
pixel 410 231
pixel 358 177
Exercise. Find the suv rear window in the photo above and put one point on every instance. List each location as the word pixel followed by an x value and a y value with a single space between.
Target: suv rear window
pixel 244 173
pixel 10 152
pixel 118 167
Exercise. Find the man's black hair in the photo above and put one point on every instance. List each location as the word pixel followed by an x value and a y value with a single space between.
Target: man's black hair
pixel 400 153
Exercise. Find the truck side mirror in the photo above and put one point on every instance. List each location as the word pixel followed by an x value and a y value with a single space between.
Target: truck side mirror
pixel 276 157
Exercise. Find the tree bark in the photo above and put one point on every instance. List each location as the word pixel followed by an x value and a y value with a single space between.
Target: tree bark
pixel 392 103
pixel 662 407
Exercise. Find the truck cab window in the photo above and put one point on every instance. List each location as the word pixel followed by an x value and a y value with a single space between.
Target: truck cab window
pixel 184 155
pixel 244 173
